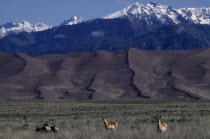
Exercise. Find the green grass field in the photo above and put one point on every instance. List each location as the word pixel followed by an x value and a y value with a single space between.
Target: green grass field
pixel 82 120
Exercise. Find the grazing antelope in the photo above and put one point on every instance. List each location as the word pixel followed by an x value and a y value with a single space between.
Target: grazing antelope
pixel 54 128
pixel 161 127
pixel 47 127
pixel 110 125
pixel 44 129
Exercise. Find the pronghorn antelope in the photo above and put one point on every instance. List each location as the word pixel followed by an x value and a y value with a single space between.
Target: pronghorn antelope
pixel 161 127
pixel 45 128
pixel 54 128
pixel 110 125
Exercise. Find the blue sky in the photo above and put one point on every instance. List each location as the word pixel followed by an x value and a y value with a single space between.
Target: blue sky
pixel 53 12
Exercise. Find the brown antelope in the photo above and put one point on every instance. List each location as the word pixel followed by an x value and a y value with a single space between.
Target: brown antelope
pixel 54 128
pixel 110 125
pixel 161 127
pixel 45 128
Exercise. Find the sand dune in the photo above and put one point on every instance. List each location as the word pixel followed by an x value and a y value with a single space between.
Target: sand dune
pixel 132 73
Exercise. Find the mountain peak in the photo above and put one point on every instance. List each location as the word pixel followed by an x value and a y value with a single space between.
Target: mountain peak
pixel 196 15
pixel 25 26
pixel 137 4
pixel 149 10
pixel 133 9
pixel 73 20
pixel 22 26
pixel 24 23
pixel 150 13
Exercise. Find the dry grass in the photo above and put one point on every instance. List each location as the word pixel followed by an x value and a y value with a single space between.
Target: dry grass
pixel 82 120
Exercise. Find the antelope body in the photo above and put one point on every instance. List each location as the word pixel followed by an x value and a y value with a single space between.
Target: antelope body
pixel 46 128
pixel 54 129
pixel 110 125
pixel 161 127
pixel 42 130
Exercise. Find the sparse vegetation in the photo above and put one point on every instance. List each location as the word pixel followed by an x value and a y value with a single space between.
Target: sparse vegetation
pixel 82 120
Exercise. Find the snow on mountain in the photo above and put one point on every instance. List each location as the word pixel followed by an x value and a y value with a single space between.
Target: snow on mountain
pixel 23 26
pixel 41 27
pixel 196 15
pixel 72 21
pixel 144 17
pixel 153 12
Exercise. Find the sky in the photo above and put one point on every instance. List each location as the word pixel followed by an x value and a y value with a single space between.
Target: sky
pixel 53 12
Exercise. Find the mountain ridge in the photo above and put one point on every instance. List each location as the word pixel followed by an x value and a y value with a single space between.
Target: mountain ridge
pixel 109 35
pixel 24 26
pixel 72 21
pixel 145 31
pixel 151 13
pixel 162 13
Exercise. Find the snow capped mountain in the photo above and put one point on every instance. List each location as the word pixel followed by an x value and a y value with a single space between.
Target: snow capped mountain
pixel 196 15
pixel 144 18
pixel 23 26
pixel 41 27
pixel 150 12
pixel 72 21
pixel 154 12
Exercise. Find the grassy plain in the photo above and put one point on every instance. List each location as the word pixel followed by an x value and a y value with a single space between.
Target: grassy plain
pixel 82 120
